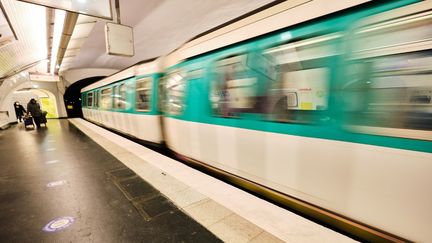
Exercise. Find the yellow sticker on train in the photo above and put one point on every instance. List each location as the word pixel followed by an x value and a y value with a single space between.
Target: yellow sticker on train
pixel 306 105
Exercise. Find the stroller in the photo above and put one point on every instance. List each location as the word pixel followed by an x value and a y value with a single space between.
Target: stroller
pixel 43 119
pixel 28 121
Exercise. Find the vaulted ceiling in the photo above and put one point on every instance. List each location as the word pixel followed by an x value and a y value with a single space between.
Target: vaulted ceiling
pixel 29 24
pixel 159 26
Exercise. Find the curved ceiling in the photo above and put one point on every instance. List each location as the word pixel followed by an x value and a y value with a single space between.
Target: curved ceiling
pixel 160 26
pixel 29 23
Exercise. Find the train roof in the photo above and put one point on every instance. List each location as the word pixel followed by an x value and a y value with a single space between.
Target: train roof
pixel 276 17
pixel 143 68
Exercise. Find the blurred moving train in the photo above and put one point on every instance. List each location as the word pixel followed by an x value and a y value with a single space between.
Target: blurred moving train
pixel 334 113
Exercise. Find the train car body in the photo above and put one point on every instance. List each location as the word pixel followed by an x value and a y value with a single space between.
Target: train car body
pixel 127 102
pixel 281 111
pixel 334 112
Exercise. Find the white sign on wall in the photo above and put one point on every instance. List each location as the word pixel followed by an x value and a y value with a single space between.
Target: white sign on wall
pixel 95 8
pixel 119 39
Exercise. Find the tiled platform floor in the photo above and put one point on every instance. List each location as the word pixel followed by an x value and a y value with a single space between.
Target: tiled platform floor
pixel 230 213
pixel 58 171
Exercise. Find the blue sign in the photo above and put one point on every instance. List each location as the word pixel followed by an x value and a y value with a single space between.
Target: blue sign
pixel 58 224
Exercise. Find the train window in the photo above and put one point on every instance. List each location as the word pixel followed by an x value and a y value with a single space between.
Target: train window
pixel 301 91
pixel 90 99
pixel 143 91
pixel 96 99
pixel 84 100
pixel 392 91
pixel 235 88
pixel 122 96
pixel 175 88
pixel 389 87
pixel 106 98
pixel 405 34
pixel 161 94
pixel 119 97
pixel 303 50
pixel 114 97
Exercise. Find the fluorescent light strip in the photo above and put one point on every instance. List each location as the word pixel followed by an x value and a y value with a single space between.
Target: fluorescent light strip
pixel 58 29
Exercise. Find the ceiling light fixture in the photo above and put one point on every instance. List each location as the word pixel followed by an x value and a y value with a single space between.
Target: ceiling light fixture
pixel 58 29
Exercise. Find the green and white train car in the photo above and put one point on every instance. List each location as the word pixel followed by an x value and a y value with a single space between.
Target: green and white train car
pixel 127 102
pixel 331 116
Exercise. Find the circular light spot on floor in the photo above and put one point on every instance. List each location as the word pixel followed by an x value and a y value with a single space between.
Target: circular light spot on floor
pixel 58 224
pixel 56 183
pixel 51 149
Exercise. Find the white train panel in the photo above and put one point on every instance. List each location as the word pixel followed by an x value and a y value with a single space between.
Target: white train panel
pixel 375 185
pixel 141 126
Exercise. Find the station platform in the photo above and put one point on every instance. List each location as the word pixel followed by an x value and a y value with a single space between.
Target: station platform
pixel 77 182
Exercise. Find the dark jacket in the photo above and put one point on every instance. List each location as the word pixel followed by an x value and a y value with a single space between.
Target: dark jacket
pixel 19 110
pixel 34 109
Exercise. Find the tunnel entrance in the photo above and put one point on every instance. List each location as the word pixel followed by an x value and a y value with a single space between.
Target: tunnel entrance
pixel 45 98
pixel 72 96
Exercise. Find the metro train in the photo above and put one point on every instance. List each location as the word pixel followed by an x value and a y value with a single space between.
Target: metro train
pixel 333 113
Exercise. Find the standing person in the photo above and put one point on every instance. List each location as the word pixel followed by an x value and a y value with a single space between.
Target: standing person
pixel 19 110
pixel 34 109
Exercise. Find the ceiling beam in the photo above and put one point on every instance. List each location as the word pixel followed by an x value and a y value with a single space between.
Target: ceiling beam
pixel 50 30
pixel 68 27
